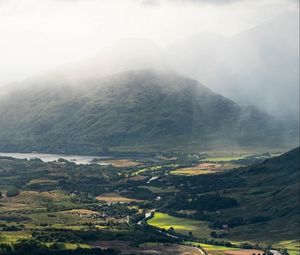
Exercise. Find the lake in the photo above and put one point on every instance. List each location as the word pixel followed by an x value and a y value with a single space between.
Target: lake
pixel 54 157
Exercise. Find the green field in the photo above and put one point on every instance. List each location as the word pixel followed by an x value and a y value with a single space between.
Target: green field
pixel 211 248
pixel 293 246
pixel 218 159
pixel 158 190
pixel 180 225
pixel 189 171
pixel 12 236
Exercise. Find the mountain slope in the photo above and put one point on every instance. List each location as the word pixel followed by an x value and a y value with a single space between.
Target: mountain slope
pixel 135 108
pixel 271 193
pixel 267 196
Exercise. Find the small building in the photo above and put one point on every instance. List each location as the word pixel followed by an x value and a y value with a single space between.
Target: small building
pixel 274 252
pixel 158 198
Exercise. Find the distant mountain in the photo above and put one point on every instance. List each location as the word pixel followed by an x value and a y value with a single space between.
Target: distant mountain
pixel 134 109
pixel 259 66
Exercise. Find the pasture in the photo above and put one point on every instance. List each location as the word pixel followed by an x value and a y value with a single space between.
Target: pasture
pixel 189 171
pixel 180 225
pixel 121 162
pixel 115 198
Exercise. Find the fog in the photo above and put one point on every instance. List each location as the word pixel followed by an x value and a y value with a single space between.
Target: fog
pixel 233 47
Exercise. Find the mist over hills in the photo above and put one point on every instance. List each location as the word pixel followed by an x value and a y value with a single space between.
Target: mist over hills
pixel 135 94
pixel 158 109
pixel 259 66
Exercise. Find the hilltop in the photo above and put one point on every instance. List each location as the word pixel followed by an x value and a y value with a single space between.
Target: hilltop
pixel 142 108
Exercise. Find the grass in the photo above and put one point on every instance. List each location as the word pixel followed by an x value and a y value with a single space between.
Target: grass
pixel 60 218
pixel 153 168
pixel 73 246
pixel 158 190
pixel 180 225
pixel 121 162
pixel 210 247
pixel 115 198
pixel 222 159
pixel 189 171
pixel 206 168
pixel 13 236
pixel 41 181
pixel 293 246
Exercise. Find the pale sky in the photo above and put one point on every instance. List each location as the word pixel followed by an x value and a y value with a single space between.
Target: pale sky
pixel 38 35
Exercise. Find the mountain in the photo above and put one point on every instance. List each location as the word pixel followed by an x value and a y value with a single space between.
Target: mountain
pixel 267 195
pixel 259 66
pixel 272 192
pixel 142 108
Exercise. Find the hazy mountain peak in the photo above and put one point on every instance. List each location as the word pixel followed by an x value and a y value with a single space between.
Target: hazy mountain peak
pixel 124 55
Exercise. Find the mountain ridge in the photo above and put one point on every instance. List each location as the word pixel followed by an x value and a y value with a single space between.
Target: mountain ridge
pixel 133 108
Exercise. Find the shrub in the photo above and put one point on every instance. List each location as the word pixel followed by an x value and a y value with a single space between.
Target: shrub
pixel 12 192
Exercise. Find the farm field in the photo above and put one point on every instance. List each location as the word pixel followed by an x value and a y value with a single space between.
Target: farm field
pixel 222 250
pixel 205 168
pixel 121 162
pixel 188 171
pixel 159 190
pixel 115 198
pixel 218 159
pixel 180 225
pixel 150 248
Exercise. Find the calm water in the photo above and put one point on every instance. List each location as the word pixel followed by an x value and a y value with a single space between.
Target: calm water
pixel 53 157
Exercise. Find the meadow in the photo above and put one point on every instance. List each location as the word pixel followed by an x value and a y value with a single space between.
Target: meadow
pixel 181 225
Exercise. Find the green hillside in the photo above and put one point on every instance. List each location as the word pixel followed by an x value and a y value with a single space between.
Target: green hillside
pixel 266 195
pixel 153 109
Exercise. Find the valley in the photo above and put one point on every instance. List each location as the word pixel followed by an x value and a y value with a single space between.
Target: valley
pixel 149 127
pixel 139 204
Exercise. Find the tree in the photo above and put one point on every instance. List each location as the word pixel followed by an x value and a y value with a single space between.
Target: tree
pixel 13 192
pixel 214 234
pixel 27 245
pixel 5 248
pixel 171 230
pixel 285 252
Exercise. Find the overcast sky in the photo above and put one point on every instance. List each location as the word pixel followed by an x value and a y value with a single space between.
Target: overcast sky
pixel 37 35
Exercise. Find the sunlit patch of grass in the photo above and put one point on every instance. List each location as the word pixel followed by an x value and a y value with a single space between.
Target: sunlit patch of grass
pixel 13 236
pixel 41 181
pixel 180 225
pixel 293 246
pixel 210 247
pixel 114 198
pixel 152 168
pixel 71 246
pixel 190 171
pixel 121 162
pixel 222 159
